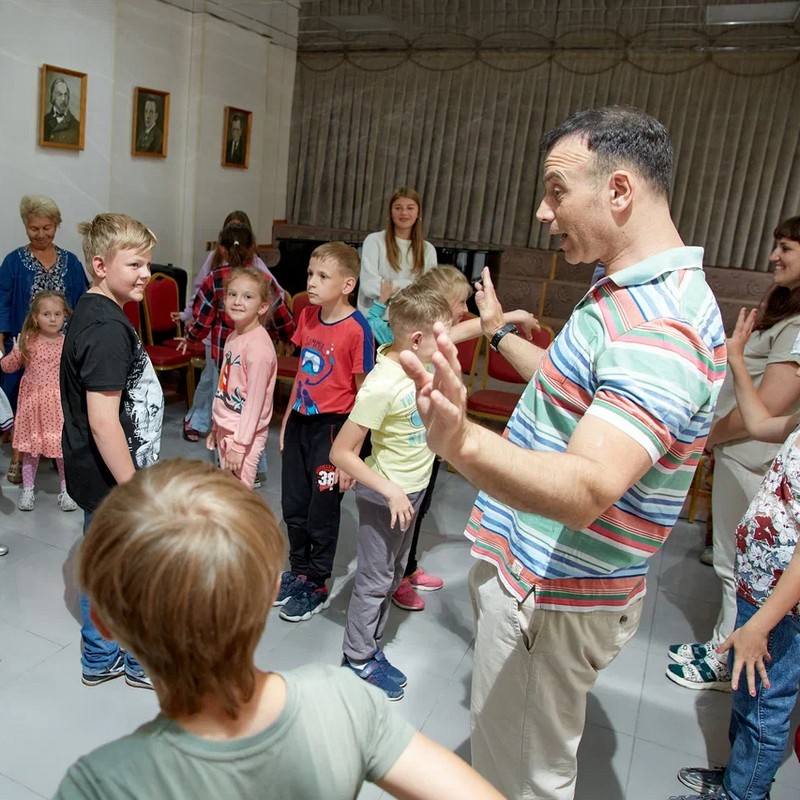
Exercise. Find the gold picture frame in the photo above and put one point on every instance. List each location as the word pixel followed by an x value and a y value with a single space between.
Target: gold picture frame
pixel 62 108
pixel 150 106
pixel 236 138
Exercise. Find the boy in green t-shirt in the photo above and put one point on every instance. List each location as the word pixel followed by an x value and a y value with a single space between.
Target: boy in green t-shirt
pixel 182 563
pixel 390 484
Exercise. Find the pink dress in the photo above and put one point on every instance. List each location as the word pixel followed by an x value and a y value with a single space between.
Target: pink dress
pixel 39 419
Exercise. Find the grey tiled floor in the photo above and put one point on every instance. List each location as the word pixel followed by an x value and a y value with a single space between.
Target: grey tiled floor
pixel 640 728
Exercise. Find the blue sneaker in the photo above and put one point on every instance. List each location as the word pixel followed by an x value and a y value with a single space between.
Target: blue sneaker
pixel 310 600
pixel 398 677
pixel 115 670
pixel 376 673
pixel 138 680
pixel 291 584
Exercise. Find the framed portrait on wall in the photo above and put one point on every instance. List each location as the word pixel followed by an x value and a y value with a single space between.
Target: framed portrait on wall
pixel 236 138
pixel 62 108
pixel 150 123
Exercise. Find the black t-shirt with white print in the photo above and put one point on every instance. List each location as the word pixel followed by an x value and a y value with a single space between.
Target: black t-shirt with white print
pixel 102 353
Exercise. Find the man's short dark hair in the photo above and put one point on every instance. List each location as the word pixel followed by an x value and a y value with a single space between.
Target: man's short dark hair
pixel 620 136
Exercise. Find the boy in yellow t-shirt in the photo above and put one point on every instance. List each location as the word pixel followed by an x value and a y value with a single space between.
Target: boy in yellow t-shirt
pixel 390 484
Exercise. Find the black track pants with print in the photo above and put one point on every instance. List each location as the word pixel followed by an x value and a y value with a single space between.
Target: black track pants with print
pixel 310 497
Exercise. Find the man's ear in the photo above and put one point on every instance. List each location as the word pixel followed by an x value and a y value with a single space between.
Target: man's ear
pixel 621 186
pixel 100 625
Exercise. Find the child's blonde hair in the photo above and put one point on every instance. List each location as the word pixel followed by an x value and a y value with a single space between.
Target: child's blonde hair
pixel 345 257
pixel 181 563
pixel 258 279
pixel 29 327
pixel 107 234
pixel 445 280
pixel 417 308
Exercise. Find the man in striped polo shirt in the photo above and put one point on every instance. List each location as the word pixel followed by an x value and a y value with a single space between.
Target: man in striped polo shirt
pixel 592 471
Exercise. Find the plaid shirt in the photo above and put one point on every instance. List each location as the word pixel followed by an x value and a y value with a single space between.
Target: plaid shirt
pixel 209 317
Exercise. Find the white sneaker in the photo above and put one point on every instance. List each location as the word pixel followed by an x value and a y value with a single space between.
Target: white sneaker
pixel 66 503
pixel 3 550
pixel 26 500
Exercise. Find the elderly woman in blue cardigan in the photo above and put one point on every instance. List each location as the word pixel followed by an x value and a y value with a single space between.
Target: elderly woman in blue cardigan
pixel 30 269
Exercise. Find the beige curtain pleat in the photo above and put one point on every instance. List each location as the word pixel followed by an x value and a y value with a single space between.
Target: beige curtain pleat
pixel 466 134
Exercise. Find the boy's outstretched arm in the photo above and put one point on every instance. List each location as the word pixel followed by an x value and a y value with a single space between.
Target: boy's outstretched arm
pixel 428 771
pixel 344 455
pixel 758 419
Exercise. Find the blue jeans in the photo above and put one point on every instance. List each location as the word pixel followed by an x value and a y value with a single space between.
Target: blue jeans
pixel 759 726
pixel 99 654
pixel 199 415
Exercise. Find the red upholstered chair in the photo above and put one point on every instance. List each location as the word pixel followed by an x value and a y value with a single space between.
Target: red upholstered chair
pixel 161 300
pixel 468 355
pixel 288 365
pixel 163 358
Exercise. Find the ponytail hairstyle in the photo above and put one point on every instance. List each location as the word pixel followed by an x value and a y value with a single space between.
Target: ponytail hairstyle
pixel 30 328
pixel 235 216
pixel 781 302
pixel 240 244
pixel 417 239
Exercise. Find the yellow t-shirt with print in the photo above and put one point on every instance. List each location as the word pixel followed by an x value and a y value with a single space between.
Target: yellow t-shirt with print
pixel 386 404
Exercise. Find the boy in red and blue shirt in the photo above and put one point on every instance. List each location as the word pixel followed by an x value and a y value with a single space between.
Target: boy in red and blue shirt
pixel 337 350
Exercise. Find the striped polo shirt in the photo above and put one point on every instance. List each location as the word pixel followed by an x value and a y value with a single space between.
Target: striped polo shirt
pixel 644 350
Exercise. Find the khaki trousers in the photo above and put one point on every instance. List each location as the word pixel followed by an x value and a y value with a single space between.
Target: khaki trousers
pixel 532 672
pixel 734 487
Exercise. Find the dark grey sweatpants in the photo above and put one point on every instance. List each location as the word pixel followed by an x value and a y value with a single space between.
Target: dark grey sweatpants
pixel 382 555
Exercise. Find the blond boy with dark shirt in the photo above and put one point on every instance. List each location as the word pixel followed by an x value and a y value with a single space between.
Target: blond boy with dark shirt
pixel 112 400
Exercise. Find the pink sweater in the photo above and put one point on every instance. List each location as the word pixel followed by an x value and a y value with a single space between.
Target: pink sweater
pixel 243 399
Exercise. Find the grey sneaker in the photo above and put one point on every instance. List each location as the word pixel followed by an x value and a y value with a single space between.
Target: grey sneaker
pixel 702 779
pixel 710 672
pixel 115 670
pixel 683 653
pixel 66 503
pixel 26 500
pixel 720 794
pixel 138 680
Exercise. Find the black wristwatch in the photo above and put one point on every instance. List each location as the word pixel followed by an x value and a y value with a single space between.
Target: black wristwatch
pixel 509 327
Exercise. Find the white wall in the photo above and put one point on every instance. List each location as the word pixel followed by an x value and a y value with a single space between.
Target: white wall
pixel 203 62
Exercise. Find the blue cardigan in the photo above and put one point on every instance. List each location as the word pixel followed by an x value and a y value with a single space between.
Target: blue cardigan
pixel 17 274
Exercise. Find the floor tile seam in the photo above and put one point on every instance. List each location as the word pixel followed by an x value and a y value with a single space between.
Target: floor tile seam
pixel 19 783
pixel 21 559
pixel 12 624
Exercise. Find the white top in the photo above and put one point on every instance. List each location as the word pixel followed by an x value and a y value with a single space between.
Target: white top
pixel 375 267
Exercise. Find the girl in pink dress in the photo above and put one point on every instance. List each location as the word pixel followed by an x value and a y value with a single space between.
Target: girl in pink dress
pixel 39 420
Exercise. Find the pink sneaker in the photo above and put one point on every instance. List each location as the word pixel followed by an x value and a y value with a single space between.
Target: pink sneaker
pixel 423 582
pixel 406 598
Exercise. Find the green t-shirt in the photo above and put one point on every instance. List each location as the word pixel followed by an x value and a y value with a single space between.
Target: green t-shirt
pixel 386 403
pixel 334 732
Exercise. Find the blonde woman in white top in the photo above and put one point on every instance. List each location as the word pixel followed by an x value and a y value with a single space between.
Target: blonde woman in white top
pixel 399 253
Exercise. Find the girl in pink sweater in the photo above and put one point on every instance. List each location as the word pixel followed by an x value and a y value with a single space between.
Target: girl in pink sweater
pixel 243 400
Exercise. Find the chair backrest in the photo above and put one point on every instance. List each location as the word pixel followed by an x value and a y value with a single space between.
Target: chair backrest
pixel 160 299
pixel 468 354
pixel 544 336
pixel 299 302
pixel 131 310
pixel 498 368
